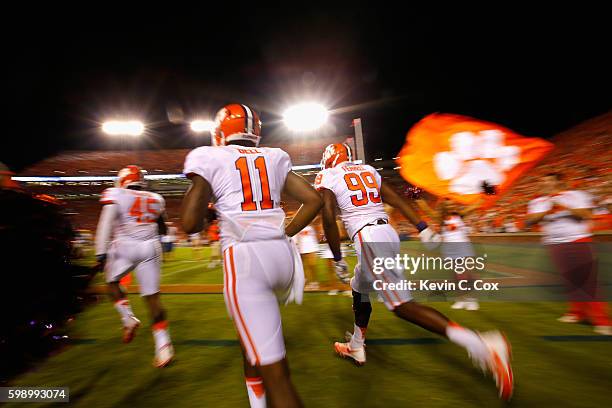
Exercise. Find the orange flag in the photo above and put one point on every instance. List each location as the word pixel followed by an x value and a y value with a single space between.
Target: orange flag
pixel 452 156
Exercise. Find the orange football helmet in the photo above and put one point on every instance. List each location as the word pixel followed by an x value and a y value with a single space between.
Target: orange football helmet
pixel 236 122
pixel 335 154
pixel 130 176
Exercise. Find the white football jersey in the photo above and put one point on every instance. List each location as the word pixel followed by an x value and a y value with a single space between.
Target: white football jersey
pixel 307 240
pixel 454 230
pixel 137 212
pixel 246 184
pixel 560 227
pixel 357 191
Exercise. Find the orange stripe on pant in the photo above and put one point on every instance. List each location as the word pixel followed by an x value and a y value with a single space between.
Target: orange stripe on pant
pixel 237 307
pixel 231 302
pixel 228 294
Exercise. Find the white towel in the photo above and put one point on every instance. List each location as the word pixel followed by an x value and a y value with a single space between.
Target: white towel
pixel 296 292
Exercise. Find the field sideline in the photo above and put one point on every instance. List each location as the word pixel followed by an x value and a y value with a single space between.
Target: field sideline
pixel 555 364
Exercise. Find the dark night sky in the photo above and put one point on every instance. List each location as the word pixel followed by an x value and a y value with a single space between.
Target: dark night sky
pixel 536 72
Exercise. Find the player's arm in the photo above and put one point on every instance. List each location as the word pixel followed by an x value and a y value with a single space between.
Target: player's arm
pixel 390 197
pixel 161 224
pixel 299 189
pixel 195 204
pixel 332 234
pixel 330 228
pixel 427 235
pixel 535 214
pixel 104 231
pixel 581 213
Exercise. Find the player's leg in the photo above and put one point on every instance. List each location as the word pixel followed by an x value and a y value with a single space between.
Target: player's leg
pixel 254 382
pixel 354 348
pixel 215 254
pixel 332 279
pixel 310 271
pixel 281 395
pixel 118 266
pixel 164 351
pixel 489 351
pixel 577 310
pixel 196 249
pixel 583 262
pixel 463 276
pixel 148 272
pixel 251 276
pixel 122 305
pixel 165 252
pixel 170 252
pixel 280 391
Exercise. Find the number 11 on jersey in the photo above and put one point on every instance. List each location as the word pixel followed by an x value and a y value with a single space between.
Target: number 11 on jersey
pixel 248 204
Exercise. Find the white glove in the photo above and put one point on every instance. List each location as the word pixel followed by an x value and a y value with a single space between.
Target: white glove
pixel 342 271
pixel 430 238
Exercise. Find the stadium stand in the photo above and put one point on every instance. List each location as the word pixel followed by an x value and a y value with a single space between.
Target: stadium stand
pixel 582 154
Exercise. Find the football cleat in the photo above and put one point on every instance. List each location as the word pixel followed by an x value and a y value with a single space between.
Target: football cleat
pixel 603 330
pixel 344 350
pixel 498 363
pixel 129 328
pixel 458 305
pixel 568 318
pixel 164 355
pixel 472 305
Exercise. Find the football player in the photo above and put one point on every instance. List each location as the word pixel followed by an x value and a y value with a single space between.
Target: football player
pixel 565 215
pixel 128 238
pixel 455 242
pixel 245 182
pixel 358 191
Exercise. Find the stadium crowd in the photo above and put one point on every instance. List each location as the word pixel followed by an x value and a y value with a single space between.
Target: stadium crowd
pixel 582 154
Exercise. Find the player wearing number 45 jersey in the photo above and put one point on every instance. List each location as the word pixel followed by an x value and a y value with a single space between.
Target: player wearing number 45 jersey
pixel 358 192
pixel 128 239
pixel 260 263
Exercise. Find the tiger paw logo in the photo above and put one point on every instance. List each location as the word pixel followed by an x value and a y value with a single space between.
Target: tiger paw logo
pixel 476 157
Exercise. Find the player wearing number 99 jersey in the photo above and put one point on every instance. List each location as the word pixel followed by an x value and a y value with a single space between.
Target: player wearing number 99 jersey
pixel 359 193
pixel 245 182
pixel 355 187
pixel 128 238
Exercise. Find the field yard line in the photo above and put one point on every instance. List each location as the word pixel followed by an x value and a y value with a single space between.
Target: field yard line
pixel 183 270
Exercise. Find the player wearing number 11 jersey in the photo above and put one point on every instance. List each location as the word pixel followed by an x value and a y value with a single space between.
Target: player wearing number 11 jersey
pixel 260 264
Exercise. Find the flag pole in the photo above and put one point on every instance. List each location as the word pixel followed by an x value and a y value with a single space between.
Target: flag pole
pixel 359 140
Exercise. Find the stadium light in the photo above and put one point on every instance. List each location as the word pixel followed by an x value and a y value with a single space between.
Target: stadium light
pixel 200 126
pixel 127 128
pixel 305 116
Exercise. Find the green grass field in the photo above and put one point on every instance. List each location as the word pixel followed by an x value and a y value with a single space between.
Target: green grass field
pixel 555 364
